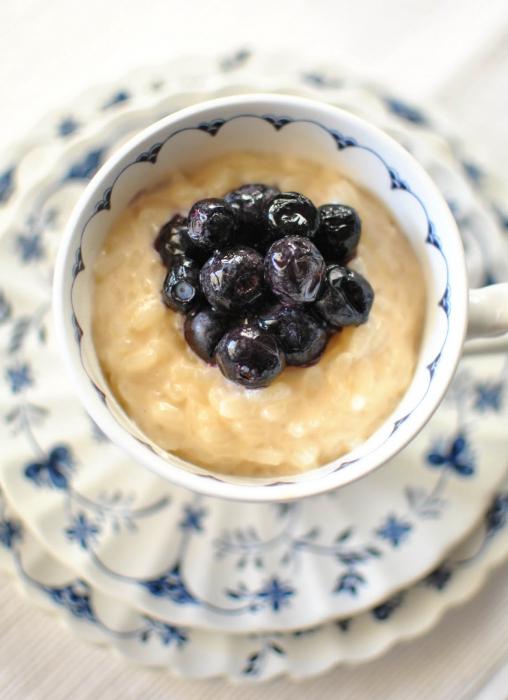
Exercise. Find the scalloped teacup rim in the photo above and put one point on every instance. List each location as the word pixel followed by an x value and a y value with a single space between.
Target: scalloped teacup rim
pixel 439 356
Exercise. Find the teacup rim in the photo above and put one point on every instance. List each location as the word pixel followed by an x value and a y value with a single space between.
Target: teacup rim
pixel 213 484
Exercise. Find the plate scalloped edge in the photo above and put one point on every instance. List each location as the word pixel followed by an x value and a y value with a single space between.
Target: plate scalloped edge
pixel 300 654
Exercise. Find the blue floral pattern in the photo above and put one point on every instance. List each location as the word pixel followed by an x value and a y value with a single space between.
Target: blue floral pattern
pixel 54 471
pixel 455 455
pixel 502 217
pixel 90 519
pixel 86 168
pixel 116 99
pixel 235 60
pixel 19 377
pixel 172 586
pixel 74 597
pixel 385 610
pixel 440 577
pixel 394 530
pixel 6 184
pixel 30 247
pixel 5 308
pixel 274 594
pixel 271 646
pixel 168 635
pixel 193 518
pixel 321 80
pixel 83 531
pixel 497 515
pixel 406 111
pixel 10 533
pixel 489 396
pixel 67 126
pixel 57 469
pixel 473 171
pixel 350 582
pixel 254 662
pixel 29 242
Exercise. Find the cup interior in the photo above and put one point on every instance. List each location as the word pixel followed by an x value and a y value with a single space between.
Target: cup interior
pixel 274 124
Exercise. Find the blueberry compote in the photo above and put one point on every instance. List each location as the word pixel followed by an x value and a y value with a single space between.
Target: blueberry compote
pixel 262 278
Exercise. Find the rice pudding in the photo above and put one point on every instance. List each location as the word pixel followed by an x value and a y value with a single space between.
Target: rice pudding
pixel 307 416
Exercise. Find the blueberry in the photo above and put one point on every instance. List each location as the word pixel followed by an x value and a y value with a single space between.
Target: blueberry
pixel 169 239
pixel 181 290
pixel 301 336
pixel 295 269
pixel 173 239
pixel 339 232
pixel 261 307
pixel 203 329
pixel 291 214
pixel 347 299
pixel 250 356
pixel 249 203
pixel 233 279
pixel 212 225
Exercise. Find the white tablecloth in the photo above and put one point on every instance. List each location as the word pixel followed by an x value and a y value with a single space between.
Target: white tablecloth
pixel 453 53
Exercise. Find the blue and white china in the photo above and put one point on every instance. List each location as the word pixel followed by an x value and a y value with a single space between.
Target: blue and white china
pixel 198 653
pixel 332 137
pixel 191 561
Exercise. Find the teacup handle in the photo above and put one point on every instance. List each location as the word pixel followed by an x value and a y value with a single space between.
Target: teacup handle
pixel 487 329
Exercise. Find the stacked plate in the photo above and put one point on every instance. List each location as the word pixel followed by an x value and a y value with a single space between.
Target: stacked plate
pixel 205 587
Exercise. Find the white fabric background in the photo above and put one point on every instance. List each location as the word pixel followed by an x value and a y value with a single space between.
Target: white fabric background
pixel 453 53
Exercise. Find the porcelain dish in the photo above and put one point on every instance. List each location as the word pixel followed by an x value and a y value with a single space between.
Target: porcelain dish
pixel 96 511
pixel 196 653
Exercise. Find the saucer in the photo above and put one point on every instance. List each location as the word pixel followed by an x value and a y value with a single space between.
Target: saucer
pixel 206 563
pixel 196 653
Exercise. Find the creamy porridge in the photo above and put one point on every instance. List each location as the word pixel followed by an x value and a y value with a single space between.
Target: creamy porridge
pixel 308 416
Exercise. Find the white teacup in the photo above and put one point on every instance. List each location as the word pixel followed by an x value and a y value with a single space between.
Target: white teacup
pixel 278 124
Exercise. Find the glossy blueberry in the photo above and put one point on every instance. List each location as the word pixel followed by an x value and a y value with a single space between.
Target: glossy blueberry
pixel 347 298
pixel 301 336
pixel 181 290
pixel 291 214
pixel 169 239
pixel 203 329
pixel 249 202
pixel 295 269
pixel 233 279
pixel 250 356
pixel 253 314
pixel 339 232
pixel 173 239
pixel 211 225
pixel 262 307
